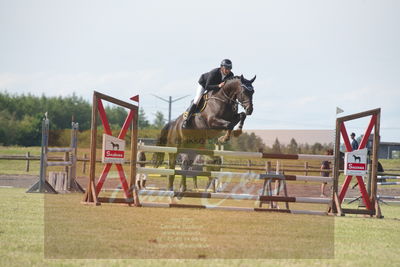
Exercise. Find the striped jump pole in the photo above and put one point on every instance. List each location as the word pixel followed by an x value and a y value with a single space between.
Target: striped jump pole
pixel 389 197
pixel 234 154
pixel 234 196
pixel 388 183
pixel 388 177
pixel 243 175
pixel 230 208
pixel 238 175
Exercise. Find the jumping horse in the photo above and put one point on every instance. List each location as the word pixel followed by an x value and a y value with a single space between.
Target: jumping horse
pixel 219 114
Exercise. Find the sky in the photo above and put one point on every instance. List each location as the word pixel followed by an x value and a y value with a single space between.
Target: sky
pixel 310 56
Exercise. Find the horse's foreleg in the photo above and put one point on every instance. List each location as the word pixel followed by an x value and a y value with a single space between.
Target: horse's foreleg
pixel 225 138
pixel 220 124
pixel 242 117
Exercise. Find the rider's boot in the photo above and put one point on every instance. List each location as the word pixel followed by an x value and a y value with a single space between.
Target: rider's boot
pixel 187 115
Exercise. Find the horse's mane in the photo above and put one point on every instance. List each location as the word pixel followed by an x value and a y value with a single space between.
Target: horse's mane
pixel 232 79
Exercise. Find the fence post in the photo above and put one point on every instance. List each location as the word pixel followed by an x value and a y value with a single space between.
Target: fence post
pixel 27 160
pixel 66 158
pixel 306 168
pixel 84 163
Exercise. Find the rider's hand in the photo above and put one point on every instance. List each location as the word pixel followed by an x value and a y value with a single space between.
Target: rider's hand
pixel 221 84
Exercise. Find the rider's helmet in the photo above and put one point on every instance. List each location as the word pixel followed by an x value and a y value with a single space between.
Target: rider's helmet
pixel 226 63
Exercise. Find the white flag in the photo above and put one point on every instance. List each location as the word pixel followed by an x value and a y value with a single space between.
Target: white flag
pixel 339 110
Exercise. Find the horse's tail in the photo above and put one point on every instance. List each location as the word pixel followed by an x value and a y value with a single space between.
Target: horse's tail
pixel 158 157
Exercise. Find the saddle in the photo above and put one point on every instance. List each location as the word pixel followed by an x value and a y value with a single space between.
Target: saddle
pixel 200 106
pixel 202 103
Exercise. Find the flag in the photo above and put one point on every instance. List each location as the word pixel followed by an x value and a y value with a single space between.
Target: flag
pixel 135 98
pixel 339 110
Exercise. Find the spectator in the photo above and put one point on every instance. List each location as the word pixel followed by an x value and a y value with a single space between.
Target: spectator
pixel 141 177
pixel 354 143
pixel 325 170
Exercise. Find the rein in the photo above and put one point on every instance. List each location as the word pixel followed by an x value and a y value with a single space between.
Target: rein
pixel 229 99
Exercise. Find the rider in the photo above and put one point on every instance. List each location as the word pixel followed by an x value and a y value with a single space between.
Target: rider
pixel 213 80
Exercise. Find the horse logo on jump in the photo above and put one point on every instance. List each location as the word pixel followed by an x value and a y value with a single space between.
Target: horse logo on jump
pixel 357 158
pixel 114 145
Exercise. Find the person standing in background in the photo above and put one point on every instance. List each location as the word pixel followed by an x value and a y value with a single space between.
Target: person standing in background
pixel 141 177
pixel 325 170
pixel 354 143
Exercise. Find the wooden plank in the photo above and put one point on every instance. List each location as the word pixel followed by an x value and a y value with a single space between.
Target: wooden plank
pixel 279 156
pixel 336 166
pixel 114 200
pixel 375 149
pixel 192 206
pixel 114 100
pixel 90 196
pixel 356 211
pixel 277 198
pixel 134 140
pixel 272 210
pixel 192 194
pixel 359 115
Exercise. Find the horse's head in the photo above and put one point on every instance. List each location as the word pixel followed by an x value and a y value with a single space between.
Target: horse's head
pixel 245 95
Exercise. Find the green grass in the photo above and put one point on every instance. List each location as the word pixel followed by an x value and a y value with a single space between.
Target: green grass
pixel 390 164
pixel 56 230
pixel 71 231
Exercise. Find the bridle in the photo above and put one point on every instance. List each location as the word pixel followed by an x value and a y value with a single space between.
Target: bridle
pixel 232 100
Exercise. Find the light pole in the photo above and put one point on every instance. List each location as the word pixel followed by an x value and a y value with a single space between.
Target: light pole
pixel 169 101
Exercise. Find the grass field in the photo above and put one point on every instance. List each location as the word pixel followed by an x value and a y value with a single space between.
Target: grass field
pixel 56 230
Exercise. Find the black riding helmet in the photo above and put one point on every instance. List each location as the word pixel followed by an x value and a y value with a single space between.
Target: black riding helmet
pixel 226 63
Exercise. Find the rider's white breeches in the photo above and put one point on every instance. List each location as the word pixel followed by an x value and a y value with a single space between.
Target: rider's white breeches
pixel 141 177
pixel 199 92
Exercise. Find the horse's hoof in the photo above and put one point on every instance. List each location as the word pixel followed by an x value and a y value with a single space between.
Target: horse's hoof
pixel 223 140
pixel 238 132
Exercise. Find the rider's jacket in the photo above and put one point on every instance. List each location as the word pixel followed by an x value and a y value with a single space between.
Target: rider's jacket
pixel 210 80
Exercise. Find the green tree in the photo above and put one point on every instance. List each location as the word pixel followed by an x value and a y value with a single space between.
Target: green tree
pixel 159 120
pixel 293 147
pixel 116 116
pixel 317 148
pixel 7 128
pixel 143 122
pixel 276 147
pixel 29 131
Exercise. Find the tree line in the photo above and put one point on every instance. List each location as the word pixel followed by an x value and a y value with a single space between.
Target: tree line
pixel 21 117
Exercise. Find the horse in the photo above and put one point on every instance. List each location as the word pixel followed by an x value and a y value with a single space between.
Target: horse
pixel 219 114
